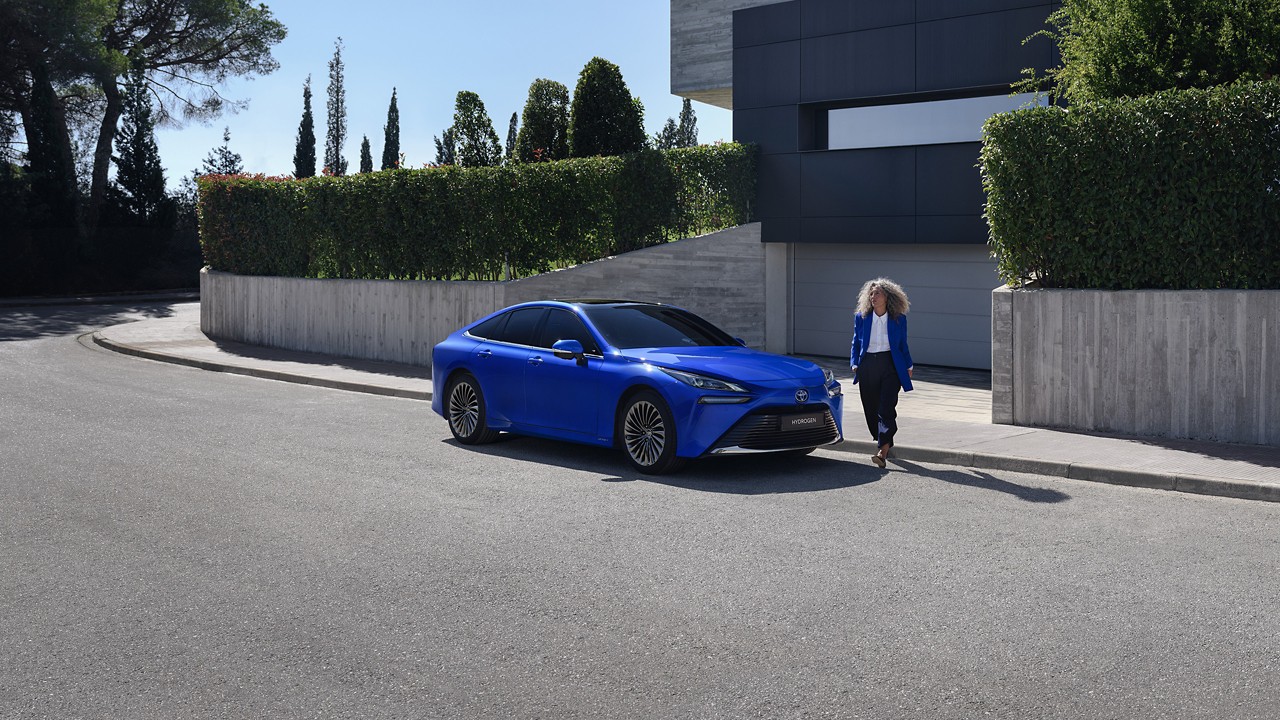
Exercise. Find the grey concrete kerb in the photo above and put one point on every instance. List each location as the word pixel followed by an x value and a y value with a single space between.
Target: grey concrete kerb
pixel 1177 482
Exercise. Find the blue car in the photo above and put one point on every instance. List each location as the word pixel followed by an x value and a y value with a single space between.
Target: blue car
pixel 657 381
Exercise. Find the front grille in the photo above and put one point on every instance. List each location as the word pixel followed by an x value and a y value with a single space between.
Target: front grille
pixel 762 430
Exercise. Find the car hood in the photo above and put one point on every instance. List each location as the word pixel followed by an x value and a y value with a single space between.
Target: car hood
pixel 737 363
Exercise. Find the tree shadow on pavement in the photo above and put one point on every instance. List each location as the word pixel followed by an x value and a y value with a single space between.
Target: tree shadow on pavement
pixel 978 479
pixel 36 322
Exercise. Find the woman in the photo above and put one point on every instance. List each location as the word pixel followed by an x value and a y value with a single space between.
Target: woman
pixel 880 358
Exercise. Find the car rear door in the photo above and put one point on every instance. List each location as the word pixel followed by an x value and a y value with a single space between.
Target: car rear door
pixel 500 365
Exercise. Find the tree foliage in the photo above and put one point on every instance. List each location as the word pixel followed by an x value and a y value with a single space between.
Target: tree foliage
pixel 391 136
pixel 604 119
pixel 477 143
pixel 544 124
pixel 1128 48
pixel 304 153
pixel 512 128
pixel 366 155
pixel 221 160
pixel 336 132
pixel 446 147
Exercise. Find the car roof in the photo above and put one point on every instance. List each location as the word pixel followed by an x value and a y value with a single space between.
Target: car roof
pixel 604 301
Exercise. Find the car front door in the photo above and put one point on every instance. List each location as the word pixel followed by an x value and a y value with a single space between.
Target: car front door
pixel 563 394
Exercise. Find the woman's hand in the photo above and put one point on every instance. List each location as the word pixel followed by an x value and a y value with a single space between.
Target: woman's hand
pixel 909 371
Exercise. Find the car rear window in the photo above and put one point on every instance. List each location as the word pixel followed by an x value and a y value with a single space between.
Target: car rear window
pixel 490 329
pixel 522 326
pixel 638 326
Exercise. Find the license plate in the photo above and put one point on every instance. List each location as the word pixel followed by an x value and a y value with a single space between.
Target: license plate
pixel 803 422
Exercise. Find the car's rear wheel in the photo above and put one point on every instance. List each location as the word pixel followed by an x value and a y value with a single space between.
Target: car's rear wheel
pixel 464 402
pixel 647 433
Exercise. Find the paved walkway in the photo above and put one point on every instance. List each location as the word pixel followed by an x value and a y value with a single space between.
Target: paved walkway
pixel 945 420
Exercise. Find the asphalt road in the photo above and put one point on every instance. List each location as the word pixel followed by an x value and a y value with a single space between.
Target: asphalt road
pixel 176 543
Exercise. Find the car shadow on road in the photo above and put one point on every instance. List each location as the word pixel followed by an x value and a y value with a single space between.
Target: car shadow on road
pixel 762 474
pixel 978 479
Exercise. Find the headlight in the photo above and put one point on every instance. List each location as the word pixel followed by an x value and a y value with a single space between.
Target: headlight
pixel 833 385
pixel 702 382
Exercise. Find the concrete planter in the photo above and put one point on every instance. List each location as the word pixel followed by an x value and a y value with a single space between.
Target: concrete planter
pixel 1201 364
pixel 720 276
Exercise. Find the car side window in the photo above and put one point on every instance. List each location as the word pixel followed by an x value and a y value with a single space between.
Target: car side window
pixel 522 327
pixel 564 325
pixel 490 329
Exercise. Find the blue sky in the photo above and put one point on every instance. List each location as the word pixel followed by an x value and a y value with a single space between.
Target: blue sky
pixel 429 51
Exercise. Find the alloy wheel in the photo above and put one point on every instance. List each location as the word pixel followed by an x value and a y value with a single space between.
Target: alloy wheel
pixel 644 433
pixel 464 409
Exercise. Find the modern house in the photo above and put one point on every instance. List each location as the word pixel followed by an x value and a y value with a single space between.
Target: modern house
pixel 868 115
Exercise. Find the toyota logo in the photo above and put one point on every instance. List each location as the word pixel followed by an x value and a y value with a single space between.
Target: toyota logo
pixel 802 396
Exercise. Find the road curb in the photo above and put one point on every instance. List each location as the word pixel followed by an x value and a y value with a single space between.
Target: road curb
pixel 104 299
pixel 1175 482
pixel 114 346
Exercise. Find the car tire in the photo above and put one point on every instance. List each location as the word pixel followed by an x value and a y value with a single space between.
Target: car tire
pixel 465 411
pixel 647 434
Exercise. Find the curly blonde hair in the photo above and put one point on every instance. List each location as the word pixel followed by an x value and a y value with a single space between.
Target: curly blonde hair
pixel 895 298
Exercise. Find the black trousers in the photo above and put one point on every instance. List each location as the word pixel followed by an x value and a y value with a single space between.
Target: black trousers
pixel 878 386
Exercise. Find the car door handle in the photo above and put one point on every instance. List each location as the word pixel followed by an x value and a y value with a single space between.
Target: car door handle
pixel 535 360
pixel 484 353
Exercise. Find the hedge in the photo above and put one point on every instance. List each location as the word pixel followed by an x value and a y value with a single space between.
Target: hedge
pixel 1177 190
pixel 468 223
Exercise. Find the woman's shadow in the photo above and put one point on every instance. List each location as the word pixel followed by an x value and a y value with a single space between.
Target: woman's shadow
pixel 978 479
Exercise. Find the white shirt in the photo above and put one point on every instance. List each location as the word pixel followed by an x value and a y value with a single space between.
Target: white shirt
pixel 879 341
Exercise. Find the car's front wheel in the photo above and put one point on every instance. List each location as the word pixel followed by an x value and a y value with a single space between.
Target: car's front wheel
pixel 464 402
pixel 647 432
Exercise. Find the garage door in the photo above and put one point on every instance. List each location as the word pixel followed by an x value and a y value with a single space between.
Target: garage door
pixel 949 287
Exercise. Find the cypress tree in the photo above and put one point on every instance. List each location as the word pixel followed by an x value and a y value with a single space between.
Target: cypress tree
pixel 366 157
pixel 336 135
pixel 687 131
pixel 511 135
pixel 304 154
pixel 391 136
pixel 221 161
pixel 604 119
pixel 544 125
pixel 447 148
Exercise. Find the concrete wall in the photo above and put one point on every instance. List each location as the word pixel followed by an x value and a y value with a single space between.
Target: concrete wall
pixel 702 49
pixel 720 276
pixel 1190 364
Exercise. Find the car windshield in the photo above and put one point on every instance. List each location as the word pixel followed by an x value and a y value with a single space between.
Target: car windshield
pixel 641 326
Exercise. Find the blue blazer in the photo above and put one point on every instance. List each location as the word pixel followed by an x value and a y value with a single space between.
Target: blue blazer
pixel 897 345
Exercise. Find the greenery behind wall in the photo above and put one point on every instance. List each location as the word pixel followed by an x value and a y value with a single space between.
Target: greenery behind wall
pixel 477 223
pixel 1163 168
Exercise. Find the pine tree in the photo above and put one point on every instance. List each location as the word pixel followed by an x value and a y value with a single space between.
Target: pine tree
pixel 511 135
pixel 366 156
pixel 221 161
pixel 447 149
pixel 391 136
pixel 304 154
pixel 138 191
pixel 604 119
pixel 687 132
pixel 544 125
pixel 477 143
pixel 668 137
pixel 336 135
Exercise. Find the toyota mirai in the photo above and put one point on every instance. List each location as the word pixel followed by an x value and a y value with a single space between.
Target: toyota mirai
pixel 660 383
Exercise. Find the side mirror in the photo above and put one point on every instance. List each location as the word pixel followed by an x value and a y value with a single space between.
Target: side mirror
pixel 740 341
pixel 567 349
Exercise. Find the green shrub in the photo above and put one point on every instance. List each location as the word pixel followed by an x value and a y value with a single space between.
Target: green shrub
pixel 1177 190
pixel 470 223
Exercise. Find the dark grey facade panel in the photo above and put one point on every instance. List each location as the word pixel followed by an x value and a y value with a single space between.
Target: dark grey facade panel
pixel 829 17
pixel 860 230
pixel 859 64
pixel 780 230
pixel 951 229
pixel 776 128
pixel 938 9
pixel 766 24
pixel 778 186
pixel 980 50
pixel 878 181
pixel 771 73
pixel 947 179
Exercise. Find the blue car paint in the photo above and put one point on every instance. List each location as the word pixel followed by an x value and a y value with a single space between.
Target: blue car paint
pixel 579 401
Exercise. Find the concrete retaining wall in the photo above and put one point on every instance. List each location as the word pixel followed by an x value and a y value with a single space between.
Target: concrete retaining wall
pixel 719 276
pixel 1184 364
